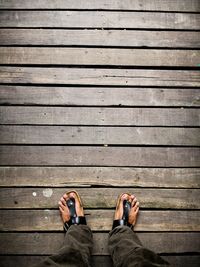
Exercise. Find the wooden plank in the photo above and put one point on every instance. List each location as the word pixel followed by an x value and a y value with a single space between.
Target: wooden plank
pixel 92 76
pixel 100 38
pixel 24 261
pixel 103 176
pixel 47 198
pixel 99 19
pixel 97 261
pixel 156 5
pixel 99 220
pixel 99 56
pixel 95 96
pixel 41 243
pixel 180 261
pixel 99 135
pixel 99 156
pixel 100 116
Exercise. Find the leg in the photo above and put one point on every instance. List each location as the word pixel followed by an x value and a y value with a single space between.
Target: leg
pixel 78 243
pixel 125 247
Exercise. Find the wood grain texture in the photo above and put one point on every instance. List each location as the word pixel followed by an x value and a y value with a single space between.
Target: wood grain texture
pixel 100 116
pixel 99 135
pixel 84 96
pixel 99 156
pixel 99 19
pixel 155 5
pixel 95 76
pixel 47 198
pixel 103 176
pixel 40 244
pixel 106 261
pixel 49 149
pixel 97 261
pixel 99 220
pixel 100 37
pixel 98 56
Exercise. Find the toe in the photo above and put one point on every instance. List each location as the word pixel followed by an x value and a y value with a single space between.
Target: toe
pixel 134 201
pixel 124 197
pixel 63 201
pixel 137 209
pixel 61 205
pixel 61 210
pixel 136 206
pixel 119 207
pixel 65 196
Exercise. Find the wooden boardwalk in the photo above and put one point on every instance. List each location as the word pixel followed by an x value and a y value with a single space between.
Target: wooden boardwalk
pixel 102 97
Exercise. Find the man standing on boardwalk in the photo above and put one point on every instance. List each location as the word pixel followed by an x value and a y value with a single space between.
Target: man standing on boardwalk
pixel 125 248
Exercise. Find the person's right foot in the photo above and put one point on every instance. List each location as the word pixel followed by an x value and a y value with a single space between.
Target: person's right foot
pixel 133 211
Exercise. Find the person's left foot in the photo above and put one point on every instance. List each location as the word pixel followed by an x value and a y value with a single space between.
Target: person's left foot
pixel 133 211
pixel 64 210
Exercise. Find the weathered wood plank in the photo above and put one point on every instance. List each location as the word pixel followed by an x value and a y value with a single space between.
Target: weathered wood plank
pixel 104 176
pixel 30 95
pixel 99 156
pixel 92 76
pixel 100 116
pixel 99 135
pixel 100 38
pixel 47 198
pixel 99 56
pixel 40 244
pixel 99 220
pixel 99 19
pixel 24 261
pixel 156 5
pixel 179 261
pixel 97 261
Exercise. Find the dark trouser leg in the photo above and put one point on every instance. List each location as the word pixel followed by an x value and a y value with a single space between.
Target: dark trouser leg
pixel 76 249
pixel 127 251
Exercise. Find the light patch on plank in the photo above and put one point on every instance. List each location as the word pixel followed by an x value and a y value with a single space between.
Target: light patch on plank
pixel 34 194
pixel 47 192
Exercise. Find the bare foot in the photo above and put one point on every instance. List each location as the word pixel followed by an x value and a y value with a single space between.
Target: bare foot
pixel 133 211
pixel 64 210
